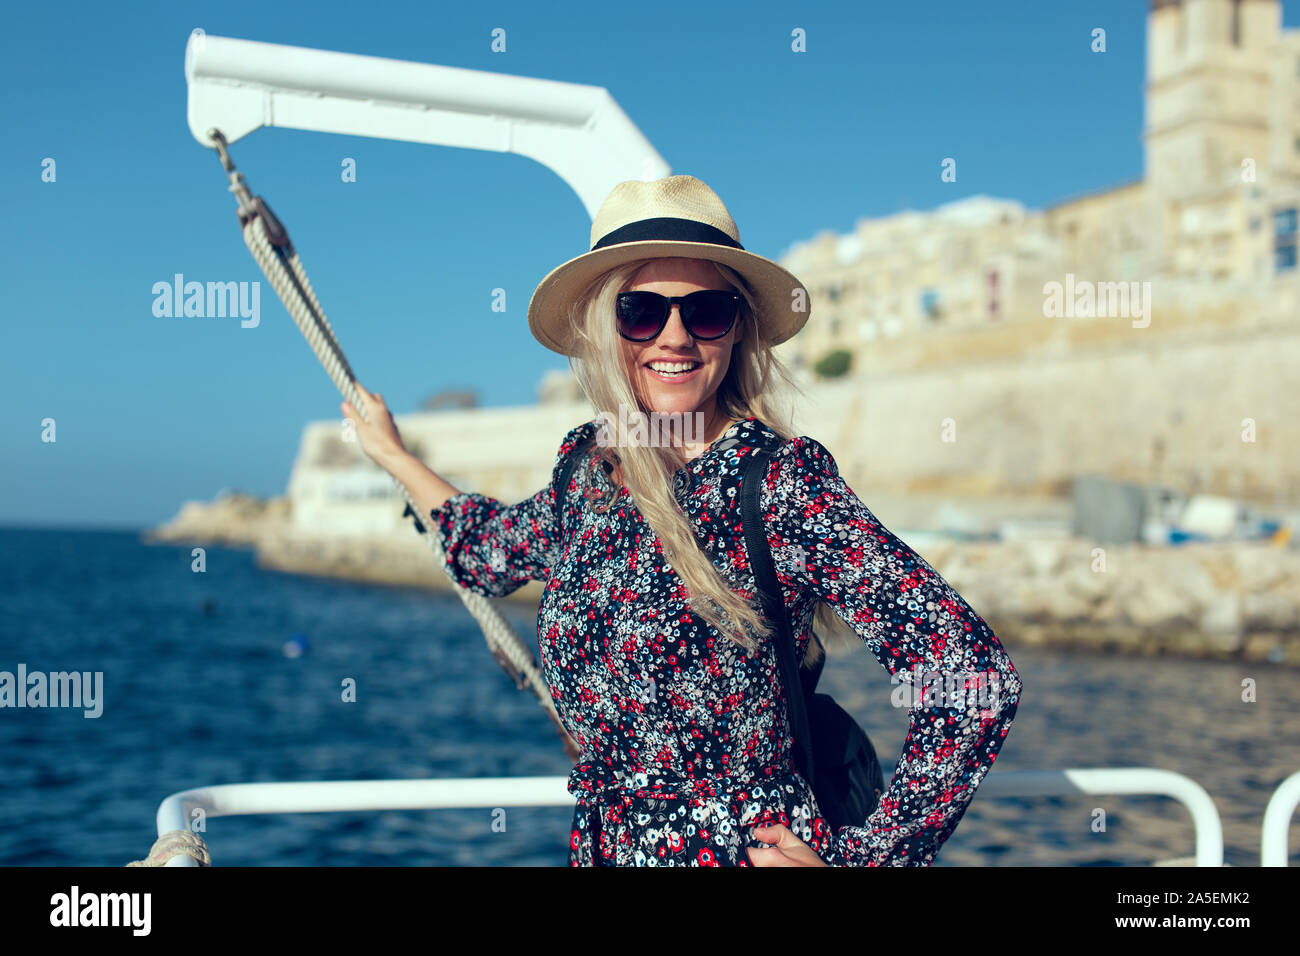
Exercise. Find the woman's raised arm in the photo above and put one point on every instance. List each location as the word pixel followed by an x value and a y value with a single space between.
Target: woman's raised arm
pixel 382 443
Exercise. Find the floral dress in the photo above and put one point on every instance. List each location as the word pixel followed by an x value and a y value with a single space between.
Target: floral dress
pixel 684 739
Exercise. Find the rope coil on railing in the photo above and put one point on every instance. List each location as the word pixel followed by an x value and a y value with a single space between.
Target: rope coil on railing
pixel 176 843
pixel 275 255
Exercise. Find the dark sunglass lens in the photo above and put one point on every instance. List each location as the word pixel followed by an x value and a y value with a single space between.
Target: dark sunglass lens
pixel 640 315
pixel 711 314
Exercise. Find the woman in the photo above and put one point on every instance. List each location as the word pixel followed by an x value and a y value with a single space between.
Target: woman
pixel 661 668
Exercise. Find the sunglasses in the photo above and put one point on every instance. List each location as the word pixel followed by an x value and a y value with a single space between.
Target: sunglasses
pixel 707 314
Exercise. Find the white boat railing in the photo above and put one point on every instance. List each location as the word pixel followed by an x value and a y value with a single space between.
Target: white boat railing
pixel 1273 848
pixel 180 810
pixel 1121 781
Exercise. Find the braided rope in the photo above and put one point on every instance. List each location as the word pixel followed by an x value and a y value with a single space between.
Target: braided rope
pixel 286 274
pixel 176 843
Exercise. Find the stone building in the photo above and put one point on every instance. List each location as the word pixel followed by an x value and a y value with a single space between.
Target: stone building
pixel 1213 221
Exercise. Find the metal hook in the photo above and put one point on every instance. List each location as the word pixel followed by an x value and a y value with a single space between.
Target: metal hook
pixel 238 184
pixel 219 138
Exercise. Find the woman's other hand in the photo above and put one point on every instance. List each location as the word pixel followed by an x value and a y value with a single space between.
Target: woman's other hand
pixel 788 851
pixel 379 437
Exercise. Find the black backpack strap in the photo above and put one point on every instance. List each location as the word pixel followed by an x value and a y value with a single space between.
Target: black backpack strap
pixel 810 674
pixel 769 590
pixel 576 454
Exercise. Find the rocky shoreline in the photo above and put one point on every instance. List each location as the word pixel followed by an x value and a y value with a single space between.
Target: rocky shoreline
pixel 1237 600
pixel 265 526
pixel 232 519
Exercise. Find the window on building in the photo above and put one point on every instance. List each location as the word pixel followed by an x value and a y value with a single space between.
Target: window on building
pixel 1284 239
pixel 1236 22
pixel 930 304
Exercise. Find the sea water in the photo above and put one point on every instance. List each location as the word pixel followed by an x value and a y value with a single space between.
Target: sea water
pixel 198 688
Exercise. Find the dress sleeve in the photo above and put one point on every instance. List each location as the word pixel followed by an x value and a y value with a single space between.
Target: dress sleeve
pixel 825 540
pixel 494 549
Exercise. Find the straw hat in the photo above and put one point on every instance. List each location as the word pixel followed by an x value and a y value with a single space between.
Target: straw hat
pixel 669 217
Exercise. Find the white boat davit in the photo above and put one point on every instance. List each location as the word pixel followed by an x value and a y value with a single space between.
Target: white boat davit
pixel 578 131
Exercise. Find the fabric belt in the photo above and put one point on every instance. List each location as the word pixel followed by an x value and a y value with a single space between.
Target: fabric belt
pixel 592 782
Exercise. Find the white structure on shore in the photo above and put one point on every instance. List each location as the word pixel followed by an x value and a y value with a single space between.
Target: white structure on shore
pixel 505 452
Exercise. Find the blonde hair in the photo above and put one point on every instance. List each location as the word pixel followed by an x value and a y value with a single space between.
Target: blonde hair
pixel 647 469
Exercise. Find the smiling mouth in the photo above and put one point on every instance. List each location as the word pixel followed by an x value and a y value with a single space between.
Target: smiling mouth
pixel 672 370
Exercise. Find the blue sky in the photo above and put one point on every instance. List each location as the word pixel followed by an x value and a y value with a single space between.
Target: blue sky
pixel 152 411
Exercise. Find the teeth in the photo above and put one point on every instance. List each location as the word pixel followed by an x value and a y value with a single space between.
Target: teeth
pixel 670 367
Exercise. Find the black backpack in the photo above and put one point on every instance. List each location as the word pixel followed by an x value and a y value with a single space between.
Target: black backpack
pixel 843 772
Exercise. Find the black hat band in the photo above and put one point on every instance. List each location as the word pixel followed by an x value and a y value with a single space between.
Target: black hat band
pixel 666 228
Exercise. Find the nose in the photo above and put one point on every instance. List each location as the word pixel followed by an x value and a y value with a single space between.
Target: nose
pixel 674 332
